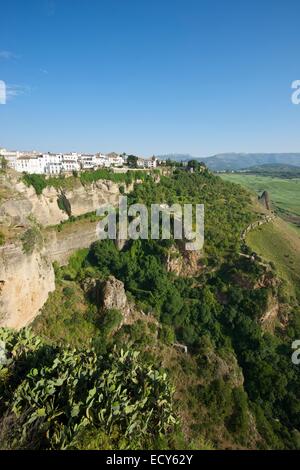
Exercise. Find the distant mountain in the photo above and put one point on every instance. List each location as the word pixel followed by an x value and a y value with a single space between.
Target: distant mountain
pixel 237 161
pixel 240 161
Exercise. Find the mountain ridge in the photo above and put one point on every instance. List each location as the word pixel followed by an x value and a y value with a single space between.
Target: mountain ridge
pixel 238 161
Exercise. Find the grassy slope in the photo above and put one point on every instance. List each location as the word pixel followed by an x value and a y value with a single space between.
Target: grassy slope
pixel 284 193
pixel 279 242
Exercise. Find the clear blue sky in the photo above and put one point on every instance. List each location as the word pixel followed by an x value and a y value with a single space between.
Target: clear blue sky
pixel 150 76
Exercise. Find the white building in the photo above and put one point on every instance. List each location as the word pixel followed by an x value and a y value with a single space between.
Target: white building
pixel 53 168
pixel 88 162
pixel 56 163
pixel 10 156
pixel 73 156
pixel 29 164
pixel 102 160
pixel 151 163
pixel 114 159
pixel 69 165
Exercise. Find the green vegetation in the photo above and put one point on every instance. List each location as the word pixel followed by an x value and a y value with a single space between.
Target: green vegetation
pixel 31 239
pixel 64 204
pixel 220 238
pixel 2 239
pixel 3 164
pixel 52 397
pixel 235 388
pixel 62 182
pixel 106 174
pixel 132 161
pixel 37 181
pixel 284 193
pixel 279 243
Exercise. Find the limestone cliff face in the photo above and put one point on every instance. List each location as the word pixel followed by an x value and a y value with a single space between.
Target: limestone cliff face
pixel 60 245
pixel 27 279
pixel 26 202
pixel 25 282
pixel 44 207
pixel 85 199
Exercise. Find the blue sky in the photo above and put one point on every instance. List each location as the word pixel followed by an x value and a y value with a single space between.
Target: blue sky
pixel 150 76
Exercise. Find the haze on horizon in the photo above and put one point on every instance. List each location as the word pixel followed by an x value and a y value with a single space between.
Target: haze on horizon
pixel 150 77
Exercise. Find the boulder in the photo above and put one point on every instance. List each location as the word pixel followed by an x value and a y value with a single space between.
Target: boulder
pixel 114 296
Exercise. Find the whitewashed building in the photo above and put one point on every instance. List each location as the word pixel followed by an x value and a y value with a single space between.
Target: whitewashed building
pixel 151 163
pixel 29 164
pixel 88 162
pixel 115 159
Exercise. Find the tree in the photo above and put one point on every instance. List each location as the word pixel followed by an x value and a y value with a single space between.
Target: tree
pixel 132 161
pixel 3 163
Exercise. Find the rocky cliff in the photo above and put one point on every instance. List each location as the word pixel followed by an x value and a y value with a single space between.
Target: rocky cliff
pixel 44 207
pixel 60 245
pixel 27 279
pixel 25 282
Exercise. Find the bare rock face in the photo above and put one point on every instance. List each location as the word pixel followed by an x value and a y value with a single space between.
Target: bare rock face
pixel 88 198
pixel 44 208
pixel 184 263
pixel 25 282
pixel 114 296
pixel 265 200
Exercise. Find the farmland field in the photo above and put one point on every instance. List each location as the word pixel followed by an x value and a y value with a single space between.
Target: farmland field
pixel 284 193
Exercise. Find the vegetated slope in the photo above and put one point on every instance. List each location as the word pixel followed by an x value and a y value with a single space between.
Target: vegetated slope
pixel 236 387
pixel 284 193
pixel 279 242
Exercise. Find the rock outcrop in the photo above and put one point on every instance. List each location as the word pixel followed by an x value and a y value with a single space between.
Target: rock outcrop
pixel 264 199
pixel 184 263
pixel 114 296
pixel 25 281
pixel 88 198
pixel 107 295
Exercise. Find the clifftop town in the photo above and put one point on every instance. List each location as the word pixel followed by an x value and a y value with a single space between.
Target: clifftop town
pixel 56 163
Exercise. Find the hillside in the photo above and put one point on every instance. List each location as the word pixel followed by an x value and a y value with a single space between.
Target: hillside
pixel 149 346
pixel 279 243
pixel 284 193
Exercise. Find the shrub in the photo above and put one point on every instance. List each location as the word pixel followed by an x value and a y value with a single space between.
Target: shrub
pixel 2 238
pixel 111 320
pixel 58 394
pixel 64 204
pixel 166 334
pixel 31 239
pixel 37 181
